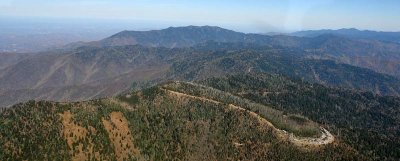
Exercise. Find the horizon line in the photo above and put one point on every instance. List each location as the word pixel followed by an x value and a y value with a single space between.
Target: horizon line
pixel 165 26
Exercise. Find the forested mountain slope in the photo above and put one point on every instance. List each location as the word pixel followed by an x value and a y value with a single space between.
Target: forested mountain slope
pixel 285 61
pixel 159 123
pixel 368 122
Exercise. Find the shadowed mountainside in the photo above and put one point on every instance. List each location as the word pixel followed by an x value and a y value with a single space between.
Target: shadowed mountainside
pixel 93 72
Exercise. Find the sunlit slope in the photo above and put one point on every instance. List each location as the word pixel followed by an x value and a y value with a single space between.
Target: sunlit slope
pixel 172 121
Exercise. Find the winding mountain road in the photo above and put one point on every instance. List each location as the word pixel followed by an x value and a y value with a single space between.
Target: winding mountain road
pixel 325 138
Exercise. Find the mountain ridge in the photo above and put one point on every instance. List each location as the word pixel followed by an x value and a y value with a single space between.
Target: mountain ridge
pixel 381 56
pixel 109 69
pixel 353 33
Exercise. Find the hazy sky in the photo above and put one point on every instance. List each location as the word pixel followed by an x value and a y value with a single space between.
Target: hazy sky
pixel 243 15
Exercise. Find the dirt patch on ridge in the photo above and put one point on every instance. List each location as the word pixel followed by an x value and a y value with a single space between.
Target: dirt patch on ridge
pixel 76 136
pixel 120 136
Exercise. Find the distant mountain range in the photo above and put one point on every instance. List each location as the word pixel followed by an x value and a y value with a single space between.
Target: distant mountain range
pixel 353 33
pixel 92 72
pixel 108 66
pixel 380 56
pixel 177 37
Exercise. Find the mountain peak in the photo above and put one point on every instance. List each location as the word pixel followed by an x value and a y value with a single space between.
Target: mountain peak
pixel 348 29
pixel 174 36
pixel 198 28
pixel 193 27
